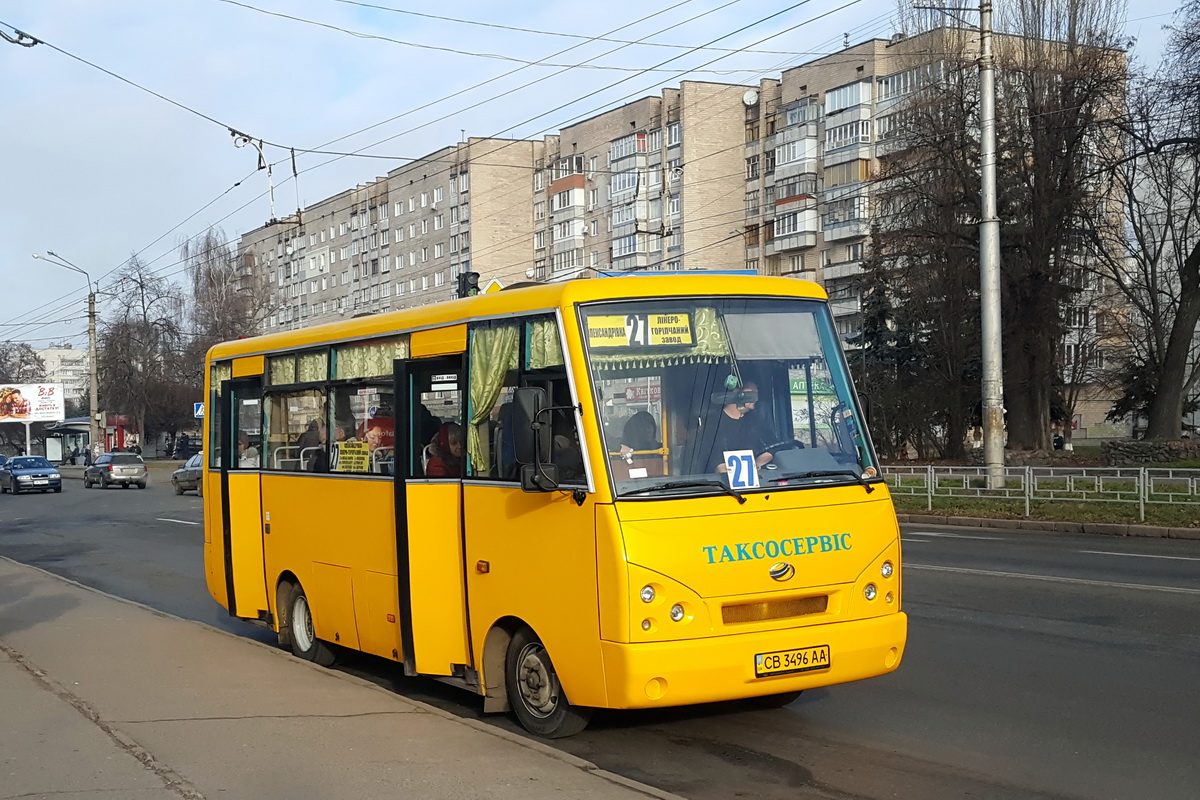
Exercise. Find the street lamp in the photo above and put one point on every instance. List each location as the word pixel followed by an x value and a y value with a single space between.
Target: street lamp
pixel 93 382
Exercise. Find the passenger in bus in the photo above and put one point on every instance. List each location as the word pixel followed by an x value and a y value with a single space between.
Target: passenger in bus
pixel 640 433
pixel 734 429
pixel 447 458
pixel 247 455
pixel 319 462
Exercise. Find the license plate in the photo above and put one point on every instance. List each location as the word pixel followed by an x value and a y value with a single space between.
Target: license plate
pixel 40 483
pixel 783 662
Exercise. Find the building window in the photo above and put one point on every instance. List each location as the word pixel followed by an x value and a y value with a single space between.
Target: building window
pixel 437 195
pixel 848 96
pixel 439 222
pixel 539 180
pixel 858 132
pixel 751 168
pixel 539 210
pixel 674 134
pixel 439 250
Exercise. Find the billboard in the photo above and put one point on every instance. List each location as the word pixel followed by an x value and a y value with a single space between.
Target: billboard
pixel 31 402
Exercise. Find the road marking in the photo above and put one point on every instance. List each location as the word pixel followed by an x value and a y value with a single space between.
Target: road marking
pixel 959 536
pixel 914 541
pixel 180 521
pixel 1052 578
pixel 1137 555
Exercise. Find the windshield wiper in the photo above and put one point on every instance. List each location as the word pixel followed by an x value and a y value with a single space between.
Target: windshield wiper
pixel 825 473
pixel 687 485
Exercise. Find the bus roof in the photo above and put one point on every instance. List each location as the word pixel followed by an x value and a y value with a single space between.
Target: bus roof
pixel 518 300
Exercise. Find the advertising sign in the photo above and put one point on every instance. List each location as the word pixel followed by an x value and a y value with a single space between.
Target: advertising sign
pixel 31 402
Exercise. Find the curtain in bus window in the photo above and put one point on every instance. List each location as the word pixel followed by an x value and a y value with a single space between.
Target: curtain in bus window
pixel 311 367
pixel 711 345
pixel 369 359
pixel 281 370
pixel 545 347
pixel 493 355
pixel 220 373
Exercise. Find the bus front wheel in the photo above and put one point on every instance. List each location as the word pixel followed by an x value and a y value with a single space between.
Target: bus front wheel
pixel 305 644
pixel 535 693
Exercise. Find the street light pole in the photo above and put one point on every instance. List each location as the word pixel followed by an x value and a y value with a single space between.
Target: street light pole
pixel 94 435
pixel 989 259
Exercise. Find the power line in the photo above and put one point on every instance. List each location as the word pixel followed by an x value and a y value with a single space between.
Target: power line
pixel 454 50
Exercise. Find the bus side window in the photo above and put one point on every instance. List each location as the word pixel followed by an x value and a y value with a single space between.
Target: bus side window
pixel 294 434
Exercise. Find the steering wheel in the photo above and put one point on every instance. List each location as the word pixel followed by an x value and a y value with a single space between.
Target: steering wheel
pixel 785 444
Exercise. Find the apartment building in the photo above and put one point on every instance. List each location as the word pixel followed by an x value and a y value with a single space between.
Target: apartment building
pixel 401 240
pixel 810 153
pixel 68 366
pixel 652 185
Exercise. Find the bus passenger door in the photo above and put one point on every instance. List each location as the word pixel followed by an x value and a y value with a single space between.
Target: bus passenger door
pixel 241 492
pixel 429 533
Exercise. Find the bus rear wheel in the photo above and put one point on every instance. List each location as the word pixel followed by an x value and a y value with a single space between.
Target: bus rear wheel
pixel 535 693
pixel 304 642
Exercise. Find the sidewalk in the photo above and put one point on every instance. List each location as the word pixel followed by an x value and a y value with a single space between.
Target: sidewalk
pixel 105 699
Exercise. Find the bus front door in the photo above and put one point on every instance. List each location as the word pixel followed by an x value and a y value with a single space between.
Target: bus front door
pixel 241 492
pixel 429 533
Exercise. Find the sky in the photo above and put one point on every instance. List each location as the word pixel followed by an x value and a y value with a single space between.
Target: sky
pixel 115 131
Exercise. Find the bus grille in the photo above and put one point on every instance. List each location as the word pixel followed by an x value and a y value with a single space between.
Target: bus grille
pixel 774 609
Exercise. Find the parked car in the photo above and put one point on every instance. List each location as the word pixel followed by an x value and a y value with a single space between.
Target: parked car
pixel 123 469
pixel 188 476
pixel 29 474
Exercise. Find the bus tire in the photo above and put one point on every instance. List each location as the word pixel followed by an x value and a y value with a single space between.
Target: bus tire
pixel 534 691
pixel 774 700
pixel 305 644
pixel 283 601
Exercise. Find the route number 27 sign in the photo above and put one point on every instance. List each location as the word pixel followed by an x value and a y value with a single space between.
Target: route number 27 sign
pixel 743 472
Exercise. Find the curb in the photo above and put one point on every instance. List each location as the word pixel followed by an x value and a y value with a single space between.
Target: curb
pixel 529 744
pixel 1097 528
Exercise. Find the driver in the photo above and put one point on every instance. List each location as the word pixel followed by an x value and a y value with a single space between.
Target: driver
pixel 736 428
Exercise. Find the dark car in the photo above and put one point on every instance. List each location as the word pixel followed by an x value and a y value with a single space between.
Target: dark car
pixel 188 476
pixel 29 474
pixel 116 469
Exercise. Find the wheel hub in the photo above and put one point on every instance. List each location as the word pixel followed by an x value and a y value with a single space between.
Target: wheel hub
pixel 535 682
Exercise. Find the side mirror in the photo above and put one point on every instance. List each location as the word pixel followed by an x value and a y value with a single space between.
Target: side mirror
pixel 531 434
pixel 539 477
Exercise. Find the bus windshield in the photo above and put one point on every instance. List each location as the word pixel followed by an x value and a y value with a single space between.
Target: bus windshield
pixel 704 395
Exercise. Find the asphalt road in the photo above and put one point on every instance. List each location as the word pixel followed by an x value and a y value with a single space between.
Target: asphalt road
pixel 1038 665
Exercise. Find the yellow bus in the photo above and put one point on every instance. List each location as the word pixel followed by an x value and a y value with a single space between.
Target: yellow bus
pixel 619 493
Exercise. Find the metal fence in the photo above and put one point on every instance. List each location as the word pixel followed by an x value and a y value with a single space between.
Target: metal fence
pixel 1142 486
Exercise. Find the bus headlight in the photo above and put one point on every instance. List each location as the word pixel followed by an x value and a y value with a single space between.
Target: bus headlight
pixel 870 591
pixel 676 612
pixel 647 594
pixel 887 569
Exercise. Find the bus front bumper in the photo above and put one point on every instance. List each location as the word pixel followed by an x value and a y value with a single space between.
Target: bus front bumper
pixel 723 667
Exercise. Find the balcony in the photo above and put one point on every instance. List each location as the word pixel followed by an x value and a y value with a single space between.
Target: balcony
pixel 849 229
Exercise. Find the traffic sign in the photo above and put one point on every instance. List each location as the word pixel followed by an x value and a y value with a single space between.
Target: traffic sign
pixel 198 410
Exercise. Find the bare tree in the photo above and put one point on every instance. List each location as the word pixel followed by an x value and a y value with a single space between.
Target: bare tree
pixel 921 278
pixel 1153 256
pixel 139 346
pixel 1062 75
pixel 19 363
pixel 229 299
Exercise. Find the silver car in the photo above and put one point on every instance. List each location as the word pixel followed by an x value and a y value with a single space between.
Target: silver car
pixel 190 475
pixel 116 469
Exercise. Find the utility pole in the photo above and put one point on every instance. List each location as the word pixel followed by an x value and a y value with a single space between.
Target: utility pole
pixel 989 259
pixel 94 435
